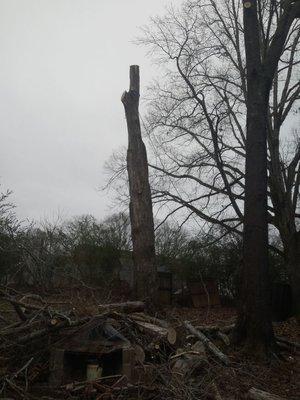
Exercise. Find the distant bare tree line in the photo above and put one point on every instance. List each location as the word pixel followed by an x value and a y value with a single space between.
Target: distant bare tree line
pixel 84 251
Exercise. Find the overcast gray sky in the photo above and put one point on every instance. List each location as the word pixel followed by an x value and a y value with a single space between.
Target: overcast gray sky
pixel 64 65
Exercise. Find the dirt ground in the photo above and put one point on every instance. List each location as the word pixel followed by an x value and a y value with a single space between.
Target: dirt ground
pixel 280 377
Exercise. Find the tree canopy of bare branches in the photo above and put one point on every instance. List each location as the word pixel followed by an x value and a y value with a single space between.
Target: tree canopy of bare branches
pixel 196 122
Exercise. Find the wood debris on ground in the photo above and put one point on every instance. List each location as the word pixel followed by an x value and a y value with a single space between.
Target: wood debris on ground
pixel 120 351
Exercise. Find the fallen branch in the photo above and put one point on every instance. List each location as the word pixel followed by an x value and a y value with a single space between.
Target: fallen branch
pixel 210 346
pixel 42 332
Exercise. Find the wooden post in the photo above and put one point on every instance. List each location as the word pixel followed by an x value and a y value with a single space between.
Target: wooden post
pixel 141 214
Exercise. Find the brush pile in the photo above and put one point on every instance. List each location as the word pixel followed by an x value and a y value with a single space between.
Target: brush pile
pixel 46 353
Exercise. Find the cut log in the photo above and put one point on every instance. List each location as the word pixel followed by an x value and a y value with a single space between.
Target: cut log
pixel 256 394
pixel 171 334
pixel 126 307
pixel 209 345
pixel 158 331
pixel 147 318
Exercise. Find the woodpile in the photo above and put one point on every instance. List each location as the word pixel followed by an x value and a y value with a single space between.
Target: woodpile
pixel 159 358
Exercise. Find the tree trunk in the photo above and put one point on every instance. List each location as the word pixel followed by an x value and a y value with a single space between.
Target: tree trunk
pixel 141 215
pixel 293 265
pixel 254 326
pixel 285 220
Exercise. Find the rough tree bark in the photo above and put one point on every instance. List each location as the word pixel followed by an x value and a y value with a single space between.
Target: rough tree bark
pixel 254 325
pixel 254 320
pixel 141 214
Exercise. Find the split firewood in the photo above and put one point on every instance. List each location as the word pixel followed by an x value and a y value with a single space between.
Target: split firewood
pixel 128 306
pixel 210 346
pixel 256 394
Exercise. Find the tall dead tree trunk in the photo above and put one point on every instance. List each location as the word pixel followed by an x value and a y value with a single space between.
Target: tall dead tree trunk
pixel 141 214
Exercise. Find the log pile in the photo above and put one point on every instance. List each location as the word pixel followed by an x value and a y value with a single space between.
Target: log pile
pixel 27 339
pixel 171 360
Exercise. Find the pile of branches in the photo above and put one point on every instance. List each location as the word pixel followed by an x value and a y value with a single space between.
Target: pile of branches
pixel 34 327
pixel 172 361
pixel 26 338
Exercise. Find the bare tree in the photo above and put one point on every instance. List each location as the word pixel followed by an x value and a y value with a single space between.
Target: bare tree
pixel 197 119
pixel 141 215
